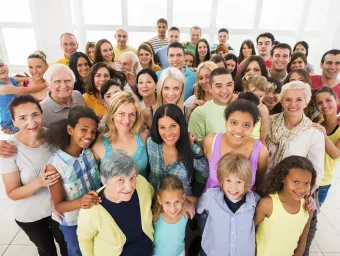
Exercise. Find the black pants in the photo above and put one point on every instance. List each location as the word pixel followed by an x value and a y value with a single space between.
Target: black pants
pixel 42 234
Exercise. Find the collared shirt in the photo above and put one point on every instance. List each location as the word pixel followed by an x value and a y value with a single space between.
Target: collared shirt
pixel 177 168
pixel 64 60
pixel 190 80
pixel 225 232
pixel 55 112
pixel 79 175
pixel 282 80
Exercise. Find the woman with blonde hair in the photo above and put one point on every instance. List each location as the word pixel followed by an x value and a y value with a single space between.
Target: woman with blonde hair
pixel 146 58
pixel 122 131
pixel 202 86
pixel 170 90
pixel 89 50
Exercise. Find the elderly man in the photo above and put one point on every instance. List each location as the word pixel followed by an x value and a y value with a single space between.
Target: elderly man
pixel 61 98
pixel 68 43
pixel 122 37
pixel 129 64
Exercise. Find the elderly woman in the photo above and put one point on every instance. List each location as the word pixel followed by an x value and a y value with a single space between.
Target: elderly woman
pixel 122 223
pixel 61 98
pixel 291 133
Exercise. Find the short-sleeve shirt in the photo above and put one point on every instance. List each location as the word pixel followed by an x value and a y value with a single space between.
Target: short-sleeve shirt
pixel 55 112
pixel 158 43
pixel 79 175
pixel 119 52
pixel 29 163
pixel 190 48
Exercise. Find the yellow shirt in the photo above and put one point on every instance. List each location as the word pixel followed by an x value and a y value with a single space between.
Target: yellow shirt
pixel 119 52
pixel 330 164
pixel 92 102
pixel 256 134
pixel 280 233
pixel 156 68
pixel 98 234
pixel 63 60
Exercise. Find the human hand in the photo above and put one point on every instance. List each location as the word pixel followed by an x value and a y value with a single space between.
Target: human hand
pixel 90 199
pixel 192 137
pixel 310 204
pixel 197 103
pixel 47 179
pixel 188 209
pixel 20 75
pixel 56 213
pixel 320 128
pixel 7 148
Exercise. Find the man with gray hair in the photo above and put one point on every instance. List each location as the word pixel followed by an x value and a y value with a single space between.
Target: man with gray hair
pixel 61 97
pixel 130 65
pixel 69 44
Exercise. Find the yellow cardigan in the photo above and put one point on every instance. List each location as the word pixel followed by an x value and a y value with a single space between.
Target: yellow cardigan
pixel 98 234
pixel 92 102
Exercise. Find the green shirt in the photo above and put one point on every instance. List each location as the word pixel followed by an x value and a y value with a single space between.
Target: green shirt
pixel 207 119
pixel 191 48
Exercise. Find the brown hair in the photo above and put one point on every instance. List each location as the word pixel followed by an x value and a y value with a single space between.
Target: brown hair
pixel 147 48
pixel 98 57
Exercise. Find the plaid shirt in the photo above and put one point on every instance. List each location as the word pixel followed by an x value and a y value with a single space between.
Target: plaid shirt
pixel 79 175
pixel 159 170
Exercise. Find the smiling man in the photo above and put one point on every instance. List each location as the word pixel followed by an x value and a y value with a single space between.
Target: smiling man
pixel 174 36
pixel 160 40
pixel 68 43
pixel 330 64
pixel 209 118
pixel 61 98
pixel 122 37
pixel 265 42
pixel 280 59
pixel 195 35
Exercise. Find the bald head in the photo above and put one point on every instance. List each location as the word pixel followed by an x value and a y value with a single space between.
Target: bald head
pixel 121 38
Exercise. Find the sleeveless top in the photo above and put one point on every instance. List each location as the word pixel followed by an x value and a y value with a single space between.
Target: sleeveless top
pixel 5 116
pixel 280 233
pixel 216 156
pixel 140 156
pixel 169 238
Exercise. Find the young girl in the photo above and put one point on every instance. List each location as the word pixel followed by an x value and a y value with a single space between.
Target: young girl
pixel 259 86
pixel 230 229
pixel 168 221
pixel 282 221
pixel 77 167
pixel 326 102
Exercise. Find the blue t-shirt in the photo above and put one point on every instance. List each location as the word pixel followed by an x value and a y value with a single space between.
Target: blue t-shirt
pixel 169 238
pixel 190 80
pixel 162 54
pixel 128 218
pixel 5 116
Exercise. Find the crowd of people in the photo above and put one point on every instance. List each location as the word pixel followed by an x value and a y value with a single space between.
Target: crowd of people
pixel 124 151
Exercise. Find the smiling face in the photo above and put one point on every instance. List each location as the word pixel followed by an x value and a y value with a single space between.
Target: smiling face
pixel 300 48
pixel 125 63
pixel 294 102
pixel 171 91
pixel 326 103
pixel 231 65
pixel 297 63
pixel 109 94
pixel 176 57
pixel 146 85
pixel 222 89
pixel 37 68
pixel 271 99
pixel 239 126
pixel 144 57
pixel 202 49
pixel 169 130
pixel 203 78
pixel 195 35
pixel 61 86
pixel 106 51
pixel 121 188
pixel 233 187
pixel 297 183
pixel 101 77
pixel 84 132
pixel 91 53
pixel 331 66
pixel 28 119
pixel 83 68
pixel 189 60
pixel 3 71
pixel 280 59
pixel 69 45
pixel 264 45
pixel 246 51
pixel 173 36
pixel 172 202
pixel 121 37
pixel 125 118
pixel 253 69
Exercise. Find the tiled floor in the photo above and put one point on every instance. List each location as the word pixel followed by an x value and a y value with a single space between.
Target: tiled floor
pixel 14 242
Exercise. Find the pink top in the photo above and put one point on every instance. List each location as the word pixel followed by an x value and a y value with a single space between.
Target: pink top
pixel 216 156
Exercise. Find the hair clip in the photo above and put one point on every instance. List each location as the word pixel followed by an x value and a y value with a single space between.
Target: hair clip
pixel 272 86
pixel 246 78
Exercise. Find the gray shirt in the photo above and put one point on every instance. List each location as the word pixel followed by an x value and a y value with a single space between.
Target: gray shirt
pixel 225 232
pixel 55 112
pixel 29 163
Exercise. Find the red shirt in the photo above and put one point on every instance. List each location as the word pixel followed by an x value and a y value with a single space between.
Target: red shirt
pixel 268 63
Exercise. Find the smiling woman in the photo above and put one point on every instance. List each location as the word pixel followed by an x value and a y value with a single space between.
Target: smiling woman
pixel 80 64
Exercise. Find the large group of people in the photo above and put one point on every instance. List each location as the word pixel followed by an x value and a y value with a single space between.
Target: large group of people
pixel 124 151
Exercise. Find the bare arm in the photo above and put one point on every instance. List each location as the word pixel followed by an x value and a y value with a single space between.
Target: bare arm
pixel 299 251
pixel 15 190
pixel 264 113
pixel 262 166
pixel 264 209
pixel 332 150
pixel 207 144
pixel 10 89
pixel 58 197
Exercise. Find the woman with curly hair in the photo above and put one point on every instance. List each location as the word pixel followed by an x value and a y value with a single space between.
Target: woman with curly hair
pixel 280 215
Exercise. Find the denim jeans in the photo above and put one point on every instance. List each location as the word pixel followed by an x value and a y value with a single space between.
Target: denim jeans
pixel 70 235
pixel 322 193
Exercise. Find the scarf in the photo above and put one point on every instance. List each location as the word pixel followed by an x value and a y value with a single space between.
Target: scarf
pixel 277 134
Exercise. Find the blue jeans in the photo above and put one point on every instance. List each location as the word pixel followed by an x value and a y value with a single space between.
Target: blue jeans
pixel 322 193
pixel 70 236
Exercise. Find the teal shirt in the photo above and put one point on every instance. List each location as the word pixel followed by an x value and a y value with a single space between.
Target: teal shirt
pixel 140 156
pixel 169 238
pixel 190 48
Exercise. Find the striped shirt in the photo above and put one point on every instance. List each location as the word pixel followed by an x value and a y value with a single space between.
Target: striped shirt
pixel 158 43
pixel 79 175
